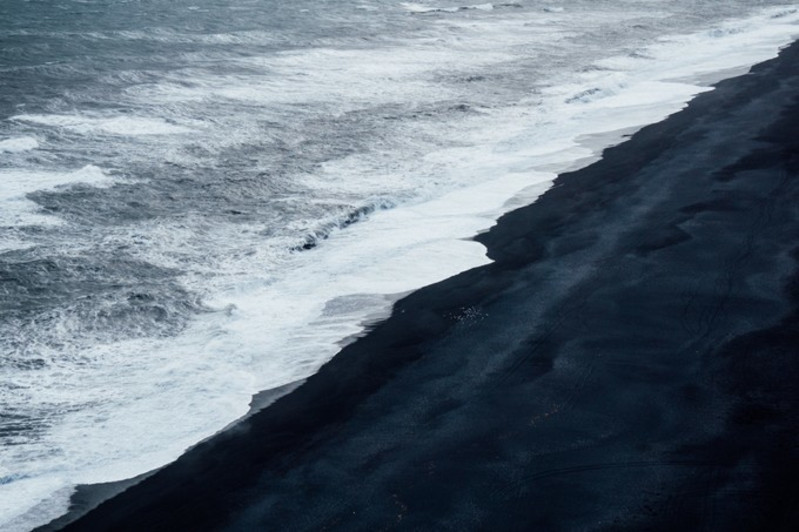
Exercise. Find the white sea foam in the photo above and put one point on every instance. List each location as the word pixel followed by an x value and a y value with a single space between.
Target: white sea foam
pixel 132 406
pixel 421 8
pixel 19 144
pixel 17 210
pixel 117 125
pixel 346 78
pixel 48 496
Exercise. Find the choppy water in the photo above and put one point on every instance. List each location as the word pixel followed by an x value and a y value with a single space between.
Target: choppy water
pixel 200 199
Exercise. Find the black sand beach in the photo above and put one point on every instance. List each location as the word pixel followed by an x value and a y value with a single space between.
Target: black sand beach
pixel 628 362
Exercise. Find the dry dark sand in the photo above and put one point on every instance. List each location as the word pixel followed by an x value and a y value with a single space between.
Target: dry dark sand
pixel 629 362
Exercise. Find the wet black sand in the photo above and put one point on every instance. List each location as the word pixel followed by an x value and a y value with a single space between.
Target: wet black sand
pixel 629 362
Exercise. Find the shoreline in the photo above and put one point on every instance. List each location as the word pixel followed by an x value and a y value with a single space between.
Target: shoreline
pixel 594 366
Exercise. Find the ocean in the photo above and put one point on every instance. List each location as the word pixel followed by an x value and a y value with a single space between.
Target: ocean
pixel 204 200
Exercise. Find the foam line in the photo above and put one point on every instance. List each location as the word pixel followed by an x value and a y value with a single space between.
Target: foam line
pixel 120 125
pixel 18 211
pixel 18 145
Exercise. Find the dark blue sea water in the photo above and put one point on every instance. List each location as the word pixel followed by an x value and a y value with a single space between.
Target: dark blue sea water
pixel 200 200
